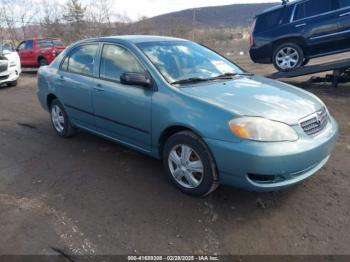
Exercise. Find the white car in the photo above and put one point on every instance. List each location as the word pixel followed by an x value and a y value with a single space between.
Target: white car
pixel 10 65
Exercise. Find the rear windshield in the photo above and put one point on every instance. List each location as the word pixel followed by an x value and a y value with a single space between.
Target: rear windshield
pixel 272 19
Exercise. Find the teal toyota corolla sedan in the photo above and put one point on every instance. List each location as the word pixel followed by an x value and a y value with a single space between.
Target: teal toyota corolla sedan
pixel 208 120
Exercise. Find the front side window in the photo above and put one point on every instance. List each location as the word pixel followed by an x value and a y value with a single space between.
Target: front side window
pixel 180 60
pixel 64 65
pixel 115 61
pixel 81 60
pixel 45 43
pixel 29 44
pixel 314 7
pixel 22 46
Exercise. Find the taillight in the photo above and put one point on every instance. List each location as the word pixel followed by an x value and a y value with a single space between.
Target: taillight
pixel 251 35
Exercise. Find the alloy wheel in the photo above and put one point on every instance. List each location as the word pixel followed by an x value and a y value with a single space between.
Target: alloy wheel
pixel 287 58
pixel 57 117
pixel 186 166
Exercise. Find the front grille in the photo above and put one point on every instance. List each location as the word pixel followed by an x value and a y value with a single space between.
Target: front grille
pixel 4 77
pixel 3 66
pixel 315 123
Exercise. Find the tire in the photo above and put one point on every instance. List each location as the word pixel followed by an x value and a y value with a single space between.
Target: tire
pixel 288 56
pixel 305 62
pixel 60 121
pixel 204 180
pixel 12 84
pixel 43 62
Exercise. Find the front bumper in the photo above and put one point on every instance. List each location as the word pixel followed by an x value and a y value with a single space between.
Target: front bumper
pixel 9 76
pixel 283 164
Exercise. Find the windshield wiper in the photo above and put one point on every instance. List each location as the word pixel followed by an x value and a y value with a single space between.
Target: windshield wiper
pixel 224 76
pixel 190 80
pixel 230 75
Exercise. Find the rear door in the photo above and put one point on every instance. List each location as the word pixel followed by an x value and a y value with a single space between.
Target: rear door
pixel 344 23
pixel 318 23
pixel 75 82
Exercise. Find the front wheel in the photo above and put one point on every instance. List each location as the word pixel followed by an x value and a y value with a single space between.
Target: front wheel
pixel 60 121
pixel 189 165
pixel 288 57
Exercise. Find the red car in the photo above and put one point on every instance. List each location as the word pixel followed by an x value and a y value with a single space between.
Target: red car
pixel 39 52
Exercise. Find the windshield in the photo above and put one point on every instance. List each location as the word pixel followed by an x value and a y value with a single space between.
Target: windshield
pixel 5 48
pixel 181 60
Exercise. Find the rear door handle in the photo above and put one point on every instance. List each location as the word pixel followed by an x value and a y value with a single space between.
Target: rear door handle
pixel 300 25
pixel 99 88
pixel 345 14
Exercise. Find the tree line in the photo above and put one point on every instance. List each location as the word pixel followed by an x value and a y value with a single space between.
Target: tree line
pixel 73 20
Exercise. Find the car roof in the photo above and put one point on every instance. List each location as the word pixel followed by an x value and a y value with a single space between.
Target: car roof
pixel 280 6
pixel 136 39
pixel 42 39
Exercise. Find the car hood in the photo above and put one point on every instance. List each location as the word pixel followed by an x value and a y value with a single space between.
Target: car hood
pixel 13 56
pixel 258 96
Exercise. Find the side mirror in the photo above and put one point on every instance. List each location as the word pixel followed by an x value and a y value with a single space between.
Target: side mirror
pixel 137 79
pixel 17 49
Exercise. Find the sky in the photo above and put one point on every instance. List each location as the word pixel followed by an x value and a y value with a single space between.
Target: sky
pixel 137 8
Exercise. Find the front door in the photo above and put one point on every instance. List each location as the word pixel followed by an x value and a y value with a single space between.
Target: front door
pixel 122 112
pixel 26 53
pixel 75 83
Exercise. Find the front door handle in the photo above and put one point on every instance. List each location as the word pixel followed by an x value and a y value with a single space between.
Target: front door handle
pixel 345 14
pixel 61 78
pixel 99 88
pixel 300 25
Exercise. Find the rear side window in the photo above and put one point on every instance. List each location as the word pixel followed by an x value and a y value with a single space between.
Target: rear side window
pixel 344 3
pixel 314 7
pixel 269 20
pixel 117 60
pixel 45 43
pixel 57 42
pixel 81 60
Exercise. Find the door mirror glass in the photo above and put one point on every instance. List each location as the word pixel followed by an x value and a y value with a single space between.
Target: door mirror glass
pixel 137 79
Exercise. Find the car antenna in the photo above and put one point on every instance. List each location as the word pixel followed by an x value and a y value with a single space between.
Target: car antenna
pixel 284 2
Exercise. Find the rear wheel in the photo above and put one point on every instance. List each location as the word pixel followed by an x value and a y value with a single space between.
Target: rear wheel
pixel 288 57
pixel 43 62
pixel 60 120
pixel 189 164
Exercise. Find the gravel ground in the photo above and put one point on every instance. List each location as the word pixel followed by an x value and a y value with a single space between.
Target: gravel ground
pixel 87 195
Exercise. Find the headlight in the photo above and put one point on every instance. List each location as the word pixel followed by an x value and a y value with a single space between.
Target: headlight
pixel 261 129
